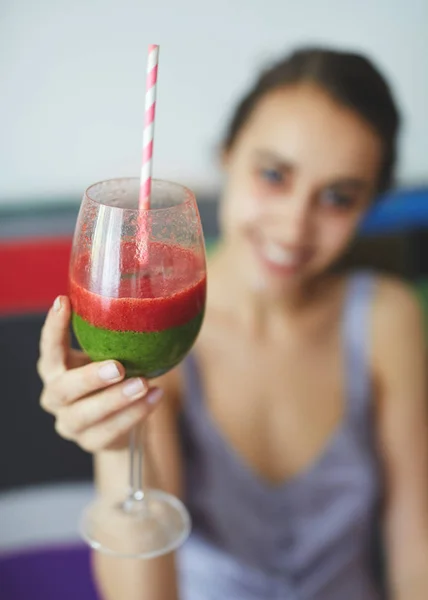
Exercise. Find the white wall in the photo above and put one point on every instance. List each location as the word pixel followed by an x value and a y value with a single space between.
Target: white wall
pixel 72 74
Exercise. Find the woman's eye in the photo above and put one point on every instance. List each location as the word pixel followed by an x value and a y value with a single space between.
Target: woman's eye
pixel 272 176
pixel 338 200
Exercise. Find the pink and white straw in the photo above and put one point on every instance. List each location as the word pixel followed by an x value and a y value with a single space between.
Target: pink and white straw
pixel 149 126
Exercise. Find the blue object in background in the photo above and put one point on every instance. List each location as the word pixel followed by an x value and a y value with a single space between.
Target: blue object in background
pixel 398 211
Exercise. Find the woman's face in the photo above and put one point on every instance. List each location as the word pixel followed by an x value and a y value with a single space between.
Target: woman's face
pixel 300 176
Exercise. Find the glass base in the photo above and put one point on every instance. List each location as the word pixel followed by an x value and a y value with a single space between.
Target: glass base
pixel 135 528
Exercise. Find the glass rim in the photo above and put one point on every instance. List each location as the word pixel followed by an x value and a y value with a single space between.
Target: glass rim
pixel 189 196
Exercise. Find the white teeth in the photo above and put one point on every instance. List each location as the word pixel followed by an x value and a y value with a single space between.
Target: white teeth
pixel 279 255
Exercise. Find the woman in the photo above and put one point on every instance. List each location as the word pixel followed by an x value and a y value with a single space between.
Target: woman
pixel 303 406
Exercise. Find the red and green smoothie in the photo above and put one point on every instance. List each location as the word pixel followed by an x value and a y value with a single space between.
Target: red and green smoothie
pixel 146 319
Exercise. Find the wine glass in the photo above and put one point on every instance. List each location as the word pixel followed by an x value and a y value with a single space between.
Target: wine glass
pixel 137 290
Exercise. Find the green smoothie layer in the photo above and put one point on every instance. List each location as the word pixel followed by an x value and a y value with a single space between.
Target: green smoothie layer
pixel 145 354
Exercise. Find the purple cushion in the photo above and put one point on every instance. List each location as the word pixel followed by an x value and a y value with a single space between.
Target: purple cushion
pixel 60 573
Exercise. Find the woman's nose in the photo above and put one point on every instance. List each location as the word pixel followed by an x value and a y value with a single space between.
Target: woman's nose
pixel 293 217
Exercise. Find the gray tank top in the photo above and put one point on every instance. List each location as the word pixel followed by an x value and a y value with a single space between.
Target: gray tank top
pixel 308 539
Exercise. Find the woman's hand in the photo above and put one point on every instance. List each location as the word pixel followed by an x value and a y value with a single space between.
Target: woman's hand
pixel 92 403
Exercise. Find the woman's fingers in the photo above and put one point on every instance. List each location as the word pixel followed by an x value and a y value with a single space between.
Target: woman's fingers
pixel 77 383
pixel 55 340
pixel 92 404
pixel 91 431
pixel 88 412
pixel 77 358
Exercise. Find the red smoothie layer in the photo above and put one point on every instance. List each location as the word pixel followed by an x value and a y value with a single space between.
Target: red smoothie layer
pixel 170 294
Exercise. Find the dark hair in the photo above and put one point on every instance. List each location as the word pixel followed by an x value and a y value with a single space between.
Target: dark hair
pixel 349 78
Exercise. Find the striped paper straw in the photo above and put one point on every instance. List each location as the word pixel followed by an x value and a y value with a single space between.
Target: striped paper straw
pixel 149 126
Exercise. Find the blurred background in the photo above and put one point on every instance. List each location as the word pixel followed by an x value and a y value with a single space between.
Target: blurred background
pixel 71 112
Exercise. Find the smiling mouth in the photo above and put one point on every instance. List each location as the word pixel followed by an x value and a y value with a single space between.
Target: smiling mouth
pixel 281 259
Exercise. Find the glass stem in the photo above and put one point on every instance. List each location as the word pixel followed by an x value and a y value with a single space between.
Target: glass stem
pixel 136 464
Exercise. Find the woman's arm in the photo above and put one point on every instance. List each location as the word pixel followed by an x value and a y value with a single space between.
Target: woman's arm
pixel 153 579
pixel 399 355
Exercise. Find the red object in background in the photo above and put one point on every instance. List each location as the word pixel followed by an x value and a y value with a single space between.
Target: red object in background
pixel 32 273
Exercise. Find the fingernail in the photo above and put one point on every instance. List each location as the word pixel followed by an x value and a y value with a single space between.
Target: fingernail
pixel 134 388
pixel 108 371
pixel 154 395
pixel 57 304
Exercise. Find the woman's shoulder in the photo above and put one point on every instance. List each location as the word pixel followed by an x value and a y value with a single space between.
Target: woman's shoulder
pixel 395 300
pixel 392 297
pixel 397 316
pixel 395 306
